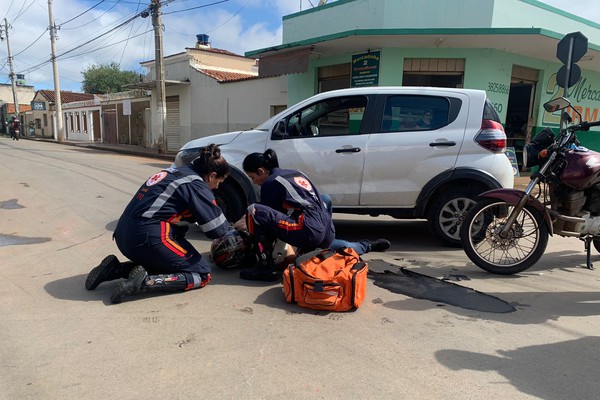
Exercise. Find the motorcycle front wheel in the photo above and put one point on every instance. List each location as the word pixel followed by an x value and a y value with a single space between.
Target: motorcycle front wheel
pixel 514 251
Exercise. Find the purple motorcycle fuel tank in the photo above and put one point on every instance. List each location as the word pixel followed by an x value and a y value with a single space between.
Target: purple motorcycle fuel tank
pixel 582 170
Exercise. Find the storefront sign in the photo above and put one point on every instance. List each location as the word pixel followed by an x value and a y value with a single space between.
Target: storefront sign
pixel 38 105
pixel 583 96
pixel 365 69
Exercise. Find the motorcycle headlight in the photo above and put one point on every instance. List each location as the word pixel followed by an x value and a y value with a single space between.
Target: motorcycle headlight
pixel 528 161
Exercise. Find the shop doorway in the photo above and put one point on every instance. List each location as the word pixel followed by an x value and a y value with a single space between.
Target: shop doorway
pixel 519 113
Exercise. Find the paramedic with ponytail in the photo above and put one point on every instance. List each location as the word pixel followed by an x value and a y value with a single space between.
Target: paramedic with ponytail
pixel 290 210
pixel 150 232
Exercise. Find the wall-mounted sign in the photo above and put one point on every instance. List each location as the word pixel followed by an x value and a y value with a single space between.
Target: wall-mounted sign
pixel 127 107
pixel 365 69
pixel 38 106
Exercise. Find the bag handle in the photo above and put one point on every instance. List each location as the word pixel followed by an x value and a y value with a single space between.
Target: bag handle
pixel 322 254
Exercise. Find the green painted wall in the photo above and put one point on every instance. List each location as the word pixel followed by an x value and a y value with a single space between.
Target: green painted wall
pixel 485 69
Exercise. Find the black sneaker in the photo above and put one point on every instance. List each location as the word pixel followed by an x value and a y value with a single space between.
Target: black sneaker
pixel 106 271
pixel 259 273
pixel 131 286
pixel 379 245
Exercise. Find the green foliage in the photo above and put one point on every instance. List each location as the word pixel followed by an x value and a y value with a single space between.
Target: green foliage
pixel 106 78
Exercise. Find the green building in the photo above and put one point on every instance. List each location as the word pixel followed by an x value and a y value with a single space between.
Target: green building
pixel 505 47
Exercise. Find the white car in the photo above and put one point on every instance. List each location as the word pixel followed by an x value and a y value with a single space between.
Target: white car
pixel 407 152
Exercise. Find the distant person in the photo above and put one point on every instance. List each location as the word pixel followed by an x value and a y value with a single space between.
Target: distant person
pixel 15 128
pixel 148 232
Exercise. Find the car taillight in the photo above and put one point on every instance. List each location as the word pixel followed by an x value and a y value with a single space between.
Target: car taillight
pixel 491 136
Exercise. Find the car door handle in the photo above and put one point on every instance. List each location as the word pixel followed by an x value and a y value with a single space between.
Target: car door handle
pixel 348 150
pixel 446 144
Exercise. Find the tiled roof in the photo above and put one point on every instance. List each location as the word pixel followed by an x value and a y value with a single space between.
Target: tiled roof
pixel 10 108
pixel 226 76
pixel 215 50
pixel 66 96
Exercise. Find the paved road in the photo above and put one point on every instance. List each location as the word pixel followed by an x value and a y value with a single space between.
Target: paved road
pixel 239 340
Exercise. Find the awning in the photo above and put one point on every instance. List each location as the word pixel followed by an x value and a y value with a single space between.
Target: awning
pixel 290 62
pixel 149 85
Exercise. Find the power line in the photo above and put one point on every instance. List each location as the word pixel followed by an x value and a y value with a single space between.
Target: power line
pixel 39 37
pixel 92 21
pixel 89 9
pixel 130 31
pixel 194 8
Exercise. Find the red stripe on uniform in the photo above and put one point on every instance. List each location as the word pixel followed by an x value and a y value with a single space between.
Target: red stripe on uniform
pixel 165 230
pixel 292 226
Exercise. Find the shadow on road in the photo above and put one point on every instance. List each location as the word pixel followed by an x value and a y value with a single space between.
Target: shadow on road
pixel 555 371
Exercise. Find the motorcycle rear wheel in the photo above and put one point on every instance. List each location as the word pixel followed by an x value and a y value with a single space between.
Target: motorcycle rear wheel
pixel 520 248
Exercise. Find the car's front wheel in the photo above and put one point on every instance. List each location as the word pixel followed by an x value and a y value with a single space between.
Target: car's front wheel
pixel 447 211
pixel 230 198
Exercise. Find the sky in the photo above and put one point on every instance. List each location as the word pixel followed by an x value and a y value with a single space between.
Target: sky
pixel 87 34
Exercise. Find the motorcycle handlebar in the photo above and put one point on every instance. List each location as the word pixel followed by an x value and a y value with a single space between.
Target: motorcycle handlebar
pixel 584 126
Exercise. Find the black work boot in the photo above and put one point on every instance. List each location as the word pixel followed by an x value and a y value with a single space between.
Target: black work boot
pixel 379 245
pixel 108 270
pixel 133 285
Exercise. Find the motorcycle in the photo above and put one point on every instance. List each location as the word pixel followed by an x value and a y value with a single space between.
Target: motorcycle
pixel 507 231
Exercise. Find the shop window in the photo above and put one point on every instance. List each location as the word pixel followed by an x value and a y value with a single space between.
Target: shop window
pixel 334 77
pixel 438 72
pixel 84 119
pixel 277 109
pixel 413 113
pixel 70 122
pixel 38 123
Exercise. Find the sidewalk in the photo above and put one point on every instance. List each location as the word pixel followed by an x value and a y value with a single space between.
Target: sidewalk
pixel 116 148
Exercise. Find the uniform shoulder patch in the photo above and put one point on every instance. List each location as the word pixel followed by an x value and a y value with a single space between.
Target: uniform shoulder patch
pixel 303 182
pixel 154 179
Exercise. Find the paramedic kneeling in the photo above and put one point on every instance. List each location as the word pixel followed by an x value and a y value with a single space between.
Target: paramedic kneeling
pixel 290 210
pixel 150 235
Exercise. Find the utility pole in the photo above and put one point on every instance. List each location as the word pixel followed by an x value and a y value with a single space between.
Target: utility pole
pixel 161 102
pixel 10 66
pixel 58 118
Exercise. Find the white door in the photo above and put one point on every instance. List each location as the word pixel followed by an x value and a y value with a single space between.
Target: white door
pixel 326 141
pixel 406 153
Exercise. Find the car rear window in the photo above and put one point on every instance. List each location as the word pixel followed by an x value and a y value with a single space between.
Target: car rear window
pixel 489 112
pixel 412 112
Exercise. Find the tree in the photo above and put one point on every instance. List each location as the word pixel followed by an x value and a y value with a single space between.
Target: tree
pixel 106 78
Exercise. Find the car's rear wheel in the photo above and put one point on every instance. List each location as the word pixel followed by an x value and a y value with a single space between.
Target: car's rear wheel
pixel 231 199
pixel 447 211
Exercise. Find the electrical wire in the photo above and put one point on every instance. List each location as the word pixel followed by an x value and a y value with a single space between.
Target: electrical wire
pixel 89 9
pixel 130 31
pixel 194 8
pixel 92 21
pixel 230 18
pixel 39 37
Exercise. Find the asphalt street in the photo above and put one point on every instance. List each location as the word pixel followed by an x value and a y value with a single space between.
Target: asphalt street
pixel 434 327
